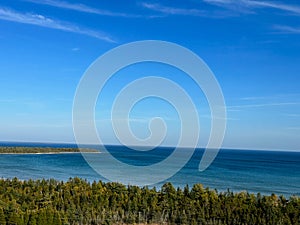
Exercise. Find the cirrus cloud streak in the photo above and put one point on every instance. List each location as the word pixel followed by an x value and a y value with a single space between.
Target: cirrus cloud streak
pixel 42 21
pixel 80 8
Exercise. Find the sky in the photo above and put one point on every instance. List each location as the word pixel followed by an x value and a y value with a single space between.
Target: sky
pixel 252 47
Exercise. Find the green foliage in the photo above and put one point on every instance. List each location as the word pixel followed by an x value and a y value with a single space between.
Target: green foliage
pixel 2 217
pixel 25 150
pixel 52 202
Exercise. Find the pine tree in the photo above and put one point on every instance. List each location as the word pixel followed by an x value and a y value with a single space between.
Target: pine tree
pixel 13 218
pixel 2 217
pixel 41 218
pixel 32 220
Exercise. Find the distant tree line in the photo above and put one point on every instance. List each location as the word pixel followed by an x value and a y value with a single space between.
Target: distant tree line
pixel 23 150
pixel 78 202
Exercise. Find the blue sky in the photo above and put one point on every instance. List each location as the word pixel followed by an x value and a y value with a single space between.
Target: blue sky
pixel 253 48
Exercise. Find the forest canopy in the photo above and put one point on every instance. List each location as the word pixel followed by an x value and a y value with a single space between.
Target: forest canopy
pixel 25 150
pixel 77 201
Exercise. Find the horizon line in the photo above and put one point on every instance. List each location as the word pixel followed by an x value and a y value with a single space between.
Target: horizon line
pixel 162 146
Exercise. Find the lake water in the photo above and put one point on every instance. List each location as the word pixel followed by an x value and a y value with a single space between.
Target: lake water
pixel 237 170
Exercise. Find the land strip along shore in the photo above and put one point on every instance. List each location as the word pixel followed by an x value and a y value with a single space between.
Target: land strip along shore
pixel 42 150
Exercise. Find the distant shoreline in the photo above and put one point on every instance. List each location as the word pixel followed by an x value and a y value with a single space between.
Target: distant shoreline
pixel 17 150
pixel 72 145
pixel 47 153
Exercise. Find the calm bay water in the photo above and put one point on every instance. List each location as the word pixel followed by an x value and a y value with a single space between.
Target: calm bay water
pixel 253 171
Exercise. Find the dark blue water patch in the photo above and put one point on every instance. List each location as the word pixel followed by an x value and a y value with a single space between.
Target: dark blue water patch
pixel 140 158
pixel 279 163
pixel 253 171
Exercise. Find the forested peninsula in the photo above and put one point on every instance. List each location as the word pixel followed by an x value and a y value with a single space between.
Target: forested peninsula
pixel 41 150
pixel 51 202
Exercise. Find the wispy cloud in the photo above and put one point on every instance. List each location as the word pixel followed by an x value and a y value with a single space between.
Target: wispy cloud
pixel 263 105
pixel 251 4
pixel 254 98
pixel 42 21
pixel 276 97
pixel 234 6
pixel 287 29
pixel 130 120
pixel 44 126
pixel 75 49
pixel 172 10
pixel 80 8
pixel 280 6
pixel 207 116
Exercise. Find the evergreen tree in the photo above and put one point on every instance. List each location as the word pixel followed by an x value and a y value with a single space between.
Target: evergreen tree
pixel 2 217
pixel 32 220
pixel 13 218
pixel 79 202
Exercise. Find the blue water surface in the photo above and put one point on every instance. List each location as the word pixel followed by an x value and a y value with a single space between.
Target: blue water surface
pixel 237 170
